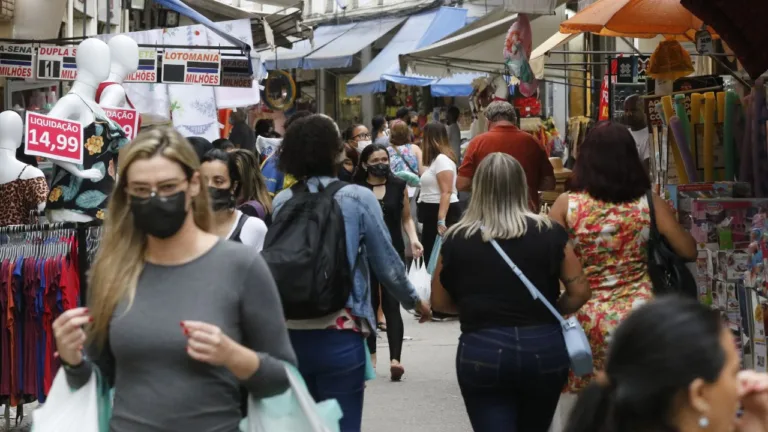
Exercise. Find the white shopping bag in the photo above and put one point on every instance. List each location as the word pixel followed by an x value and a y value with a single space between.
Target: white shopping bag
pixel 66 410
pixel 420 279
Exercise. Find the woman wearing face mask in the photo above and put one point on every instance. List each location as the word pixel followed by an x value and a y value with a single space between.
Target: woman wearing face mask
pixel 225 182
pixel 158 267
pixel 380 131
pixel 349 160
pixel 357 137
pixel 373 173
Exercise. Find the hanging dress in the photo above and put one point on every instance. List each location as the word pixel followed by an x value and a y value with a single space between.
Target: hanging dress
pixel 20 197
pixel 103 140
pixel 611 243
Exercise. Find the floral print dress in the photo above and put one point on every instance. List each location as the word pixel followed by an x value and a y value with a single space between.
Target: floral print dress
pixel 611 243
pixel 103 141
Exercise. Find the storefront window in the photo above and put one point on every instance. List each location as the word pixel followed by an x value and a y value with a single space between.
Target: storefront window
pixel 350 107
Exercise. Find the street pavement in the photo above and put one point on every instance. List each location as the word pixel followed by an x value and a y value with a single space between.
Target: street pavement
pixel 426 400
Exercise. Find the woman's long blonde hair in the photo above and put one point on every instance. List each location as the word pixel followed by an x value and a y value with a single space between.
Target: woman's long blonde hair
pixel 499 201
pixel 120 259
pixel 435 143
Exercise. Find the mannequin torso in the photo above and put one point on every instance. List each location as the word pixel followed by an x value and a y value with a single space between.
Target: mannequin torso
pixel 22 187
pixel 79 105
pixel 124 60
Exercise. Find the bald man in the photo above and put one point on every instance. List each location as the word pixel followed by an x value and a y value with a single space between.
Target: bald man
pixel 634 118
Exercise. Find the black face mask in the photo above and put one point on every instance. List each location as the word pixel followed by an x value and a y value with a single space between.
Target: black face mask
pixel 221 198
pixel 344 175
pixel 160 217
pixel 379 170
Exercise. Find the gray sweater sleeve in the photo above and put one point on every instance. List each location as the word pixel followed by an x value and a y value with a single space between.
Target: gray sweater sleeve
pixel 264 331
pixel 101 358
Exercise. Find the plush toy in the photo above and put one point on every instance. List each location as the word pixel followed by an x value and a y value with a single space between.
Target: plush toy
pixel 517 53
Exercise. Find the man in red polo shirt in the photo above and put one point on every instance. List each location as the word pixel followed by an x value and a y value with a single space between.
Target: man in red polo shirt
pixel 504 137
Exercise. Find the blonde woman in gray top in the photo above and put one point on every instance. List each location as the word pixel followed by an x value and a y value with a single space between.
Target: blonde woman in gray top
pixel 177 319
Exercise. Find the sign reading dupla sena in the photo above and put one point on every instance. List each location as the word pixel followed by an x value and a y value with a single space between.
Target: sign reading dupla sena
pixel 54 138
pixel 127 118
pixel 56 63
pixel 147 71
pixel 192 67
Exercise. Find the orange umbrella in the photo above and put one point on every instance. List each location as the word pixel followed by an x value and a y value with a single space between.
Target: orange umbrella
pixel 636 18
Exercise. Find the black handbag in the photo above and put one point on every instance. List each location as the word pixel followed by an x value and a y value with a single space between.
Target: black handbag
pixel 667 270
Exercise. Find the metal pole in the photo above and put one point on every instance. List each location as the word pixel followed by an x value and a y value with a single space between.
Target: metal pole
pixel 85 18
pixel 109 15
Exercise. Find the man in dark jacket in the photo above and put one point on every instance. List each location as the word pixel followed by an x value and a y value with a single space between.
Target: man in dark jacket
pixel 242 136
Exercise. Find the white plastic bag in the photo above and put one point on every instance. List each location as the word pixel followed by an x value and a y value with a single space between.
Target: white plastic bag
pixel 66 410
pixel 420 279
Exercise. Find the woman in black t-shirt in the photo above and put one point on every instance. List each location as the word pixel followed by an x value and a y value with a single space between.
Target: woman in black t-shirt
pixel 373 172
pixel 511 361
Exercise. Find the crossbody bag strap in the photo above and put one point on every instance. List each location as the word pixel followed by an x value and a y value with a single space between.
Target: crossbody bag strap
pixel 535 293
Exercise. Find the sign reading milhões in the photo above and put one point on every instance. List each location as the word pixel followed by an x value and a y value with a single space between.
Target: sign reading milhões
pixel 192 67
pixel 16 61
pixel 234 73
pixel 56 63
pixel 147 72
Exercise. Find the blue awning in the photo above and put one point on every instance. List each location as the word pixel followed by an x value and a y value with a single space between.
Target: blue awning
pixel 340 52
pixel 458 85
pixel 292 58
pixel 418 31
pixel 183 9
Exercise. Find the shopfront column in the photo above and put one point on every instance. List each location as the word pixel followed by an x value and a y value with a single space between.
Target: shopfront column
pixel 367 99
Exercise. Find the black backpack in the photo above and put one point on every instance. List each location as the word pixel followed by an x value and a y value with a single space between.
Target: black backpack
pixel 306 250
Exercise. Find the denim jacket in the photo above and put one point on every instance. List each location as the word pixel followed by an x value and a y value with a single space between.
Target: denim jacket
pixel 368 242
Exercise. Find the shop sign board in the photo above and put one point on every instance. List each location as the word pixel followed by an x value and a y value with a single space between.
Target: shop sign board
pixel 53 138
pixel 192 67
pixel 56 63
pixel 16 61
pixel 126 118
pixel 234 73
pixel 147 71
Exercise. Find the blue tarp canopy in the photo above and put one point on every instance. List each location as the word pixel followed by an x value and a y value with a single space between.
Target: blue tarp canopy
pixel 418 31
pixel 293 58
pixel 457 85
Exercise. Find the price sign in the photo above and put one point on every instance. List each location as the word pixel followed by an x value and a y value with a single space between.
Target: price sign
pixel 704 44
pixel 54 138
pixel 16 61
pixel 127 118
pixel 56 63
pixel 147 71
pixel 192 67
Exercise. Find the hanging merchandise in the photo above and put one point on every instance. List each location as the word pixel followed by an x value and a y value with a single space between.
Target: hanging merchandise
pixel 670 61
pixel 42 274
pixel 517 53
pixel 279 90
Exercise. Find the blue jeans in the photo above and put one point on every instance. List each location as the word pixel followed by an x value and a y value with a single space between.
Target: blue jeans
pixel 511 377
pixel 332 363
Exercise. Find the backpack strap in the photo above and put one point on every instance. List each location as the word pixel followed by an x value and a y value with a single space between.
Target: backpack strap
pixel 239 228
pixel 333 187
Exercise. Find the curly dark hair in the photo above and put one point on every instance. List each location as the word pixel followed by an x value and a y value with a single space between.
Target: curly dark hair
pixel 608 167
pixel 310 148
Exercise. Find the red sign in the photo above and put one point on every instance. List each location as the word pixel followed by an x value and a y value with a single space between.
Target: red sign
pixel 127 118
pixel 605 93
pixel 54 138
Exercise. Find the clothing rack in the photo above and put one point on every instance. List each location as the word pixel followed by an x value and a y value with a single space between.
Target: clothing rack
pixel 43 244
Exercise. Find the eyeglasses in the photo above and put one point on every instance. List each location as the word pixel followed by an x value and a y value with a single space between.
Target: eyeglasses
pixel 362 136
pixel 164 189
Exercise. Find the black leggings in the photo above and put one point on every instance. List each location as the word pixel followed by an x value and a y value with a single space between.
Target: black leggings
pixel 391 308
pixel 428 217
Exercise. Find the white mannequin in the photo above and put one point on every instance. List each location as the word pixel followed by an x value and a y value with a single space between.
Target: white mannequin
pixel 124 58
pixel 11 132
pixel 79 104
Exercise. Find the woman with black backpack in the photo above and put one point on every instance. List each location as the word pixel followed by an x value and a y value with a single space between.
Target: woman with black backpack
pixel 325 239
pixel 226 179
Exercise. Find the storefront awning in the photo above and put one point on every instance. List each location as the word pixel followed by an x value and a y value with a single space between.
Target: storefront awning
pixel 458 85
pixel 540 54
pixel 418 31
pixel 292 58
pixel 181 8
pixel 340 52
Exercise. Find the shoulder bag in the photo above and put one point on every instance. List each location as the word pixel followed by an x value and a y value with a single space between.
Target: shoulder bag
pixel 576 341
pixel 667 270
